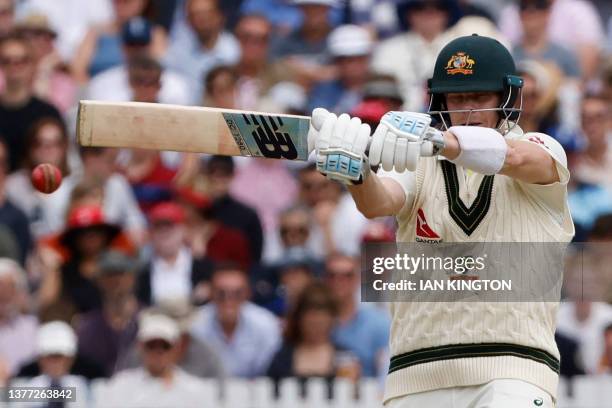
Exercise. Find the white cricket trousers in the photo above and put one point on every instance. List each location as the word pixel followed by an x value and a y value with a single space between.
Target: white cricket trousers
pixel 503 393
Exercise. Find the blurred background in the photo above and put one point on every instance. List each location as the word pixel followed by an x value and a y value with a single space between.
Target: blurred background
pixel 169 279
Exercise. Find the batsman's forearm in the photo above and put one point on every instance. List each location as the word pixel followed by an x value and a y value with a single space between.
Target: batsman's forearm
pixel 378 197
pixel 451 146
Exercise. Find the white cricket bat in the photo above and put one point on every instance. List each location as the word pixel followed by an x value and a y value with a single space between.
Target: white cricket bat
pixel 192 129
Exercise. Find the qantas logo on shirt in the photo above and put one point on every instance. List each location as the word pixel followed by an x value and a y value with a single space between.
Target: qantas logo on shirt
pixel 424 233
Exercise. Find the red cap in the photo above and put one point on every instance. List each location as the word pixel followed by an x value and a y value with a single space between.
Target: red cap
pixel 86 216
pixel 371 110
pixel 83 217
pixel 167 212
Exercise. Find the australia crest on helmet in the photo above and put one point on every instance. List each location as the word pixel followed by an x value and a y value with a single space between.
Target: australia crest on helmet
pixel 460 63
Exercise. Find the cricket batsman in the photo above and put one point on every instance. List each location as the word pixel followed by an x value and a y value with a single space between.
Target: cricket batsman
pixel 474 177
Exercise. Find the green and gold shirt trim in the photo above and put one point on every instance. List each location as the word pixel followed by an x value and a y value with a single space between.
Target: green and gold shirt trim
pixel 467 218
pixel 455 351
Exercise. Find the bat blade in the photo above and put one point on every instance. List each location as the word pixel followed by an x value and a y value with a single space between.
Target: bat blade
pixel 192 129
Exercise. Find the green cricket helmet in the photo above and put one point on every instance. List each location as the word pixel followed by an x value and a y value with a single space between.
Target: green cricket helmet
pixel 476 64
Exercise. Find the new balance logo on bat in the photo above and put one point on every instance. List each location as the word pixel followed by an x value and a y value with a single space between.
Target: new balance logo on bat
pixel 273 142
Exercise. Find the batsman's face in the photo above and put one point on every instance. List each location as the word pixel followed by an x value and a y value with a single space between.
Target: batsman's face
pixel 473 103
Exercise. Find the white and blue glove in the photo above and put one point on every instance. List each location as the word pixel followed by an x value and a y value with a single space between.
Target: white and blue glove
pixel 340 144
pixel 401 138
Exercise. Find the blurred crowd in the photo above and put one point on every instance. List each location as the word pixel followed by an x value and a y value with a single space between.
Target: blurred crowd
pixel 158 269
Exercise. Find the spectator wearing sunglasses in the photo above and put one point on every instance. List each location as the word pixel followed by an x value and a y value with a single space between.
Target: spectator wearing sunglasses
pixel 245 336
pixel 159 382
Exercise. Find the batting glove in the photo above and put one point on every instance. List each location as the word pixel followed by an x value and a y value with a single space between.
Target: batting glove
pixel 401 138
pixel 340 144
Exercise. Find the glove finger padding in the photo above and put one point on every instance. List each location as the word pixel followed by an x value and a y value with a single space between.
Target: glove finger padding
pixel 376 147
pixel 351 135
pixel 325 133
pixel 340 129
pixel 413 152
pixel 388 151
pixel 363 139
pixel 319 115
pixel 399 161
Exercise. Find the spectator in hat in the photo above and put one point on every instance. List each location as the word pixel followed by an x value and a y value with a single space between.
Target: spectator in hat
pixel 194 356
pixel 13 218
pixel 47 142
pixel 17 327
pixel 380 95
pixel 19 107
pixel 118 201
pixel 203 45
pixel 114 84
pixel 172 272
pixel 350 47
pixel 56 346
pixel 52 82
pixel 101 46
pixel 159 381
pixel 107 333
pixel 245 335
pixel 71 19
pixel 304 49
pixel 71 288
pixel 79 366
pixel 361 328
pixel 219 172
pixel 410 56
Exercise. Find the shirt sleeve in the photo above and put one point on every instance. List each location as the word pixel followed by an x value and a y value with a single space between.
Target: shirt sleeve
pixel 553 196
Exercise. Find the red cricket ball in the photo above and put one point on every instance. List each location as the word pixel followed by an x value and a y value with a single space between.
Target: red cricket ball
pixel 46 178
